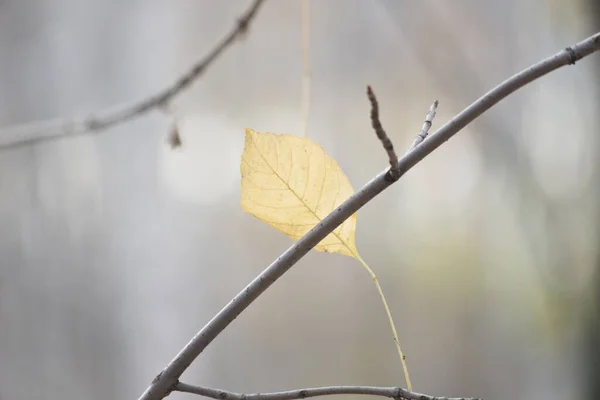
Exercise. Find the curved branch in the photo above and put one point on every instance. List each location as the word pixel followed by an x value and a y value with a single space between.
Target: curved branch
pixel 392 392
pixel 168 378
pixel 33 132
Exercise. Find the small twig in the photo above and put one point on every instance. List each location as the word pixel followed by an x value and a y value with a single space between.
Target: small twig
pixel 426 125
pixel 165 381
pixel 394 173
pixel 33 132
pixel 392 392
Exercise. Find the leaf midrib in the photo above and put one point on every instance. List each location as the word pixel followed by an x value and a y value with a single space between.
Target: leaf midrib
pixel 300 199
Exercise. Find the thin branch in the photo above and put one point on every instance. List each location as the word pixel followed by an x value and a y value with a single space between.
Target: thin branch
pixel 53 129
pixel 392 392
pixel 385 140
pixel 426 125
pixel 167 379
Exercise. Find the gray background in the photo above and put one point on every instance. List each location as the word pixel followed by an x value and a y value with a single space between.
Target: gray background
pixel 115 249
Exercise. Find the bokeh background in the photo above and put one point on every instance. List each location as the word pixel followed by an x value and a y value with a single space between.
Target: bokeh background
pixel 115 249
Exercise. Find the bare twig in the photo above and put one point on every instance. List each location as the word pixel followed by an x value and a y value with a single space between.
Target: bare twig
pixel 48 130
pixel 392 392
pixel 426 125
pixel 394 173
pixel 168 378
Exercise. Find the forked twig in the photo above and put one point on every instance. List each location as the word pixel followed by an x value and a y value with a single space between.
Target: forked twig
pixel 391 392
pixel 394 173
pixel 48 130
pixel 167 380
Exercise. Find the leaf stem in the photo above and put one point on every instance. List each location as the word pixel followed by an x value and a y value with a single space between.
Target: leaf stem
pixel 390 319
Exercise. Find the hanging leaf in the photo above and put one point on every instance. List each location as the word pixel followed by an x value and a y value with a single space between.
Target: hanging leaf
pixel 290 183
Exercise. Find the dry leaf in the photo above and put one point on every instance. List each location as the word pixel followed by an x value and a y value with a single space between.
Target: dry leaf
pixel 290 183
pixel 174 139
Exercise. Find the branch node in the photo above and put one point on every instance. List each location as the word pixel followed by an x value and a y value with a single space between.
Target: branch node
pixel 172 388
pixel 573 55
pixel 92 123
pixel 394 172
pixel 243 23
pixel 242 26
pixel 391 176
pixel 157 377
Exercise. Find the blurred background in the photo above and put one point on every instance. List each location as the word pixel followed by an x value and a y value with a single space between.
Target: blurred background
pixel 115 249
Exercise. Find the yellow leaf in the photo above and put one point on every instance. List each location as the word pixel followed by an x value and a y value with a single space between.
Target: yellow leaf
pixel 290 183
